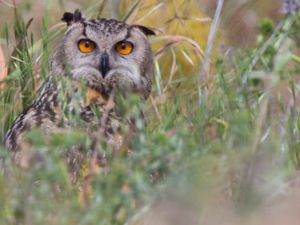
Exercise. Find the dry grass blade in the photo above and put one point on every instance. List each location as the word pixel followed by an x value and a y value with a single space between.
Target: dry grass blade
pixel 150 12
pixel 201 20
pixel 138 217
pixel 186 18
pixel 178 39
pixel 261 118
pixel 158 77
pixel 187 57
pixel 132 11
pixel 164 48
pixel 173 70
pixel 153 102
pixel 8 4
pixel 203 76
pixel 101 8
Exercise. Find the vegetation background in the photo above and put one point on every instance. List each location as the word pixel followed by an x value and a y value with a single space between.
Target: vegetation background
pixel 223 149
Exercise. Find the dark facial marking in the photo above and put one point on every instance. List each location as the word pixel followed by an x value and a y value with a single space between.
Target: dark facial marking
pixel 104 64
pixel 127 34
pixel 84 29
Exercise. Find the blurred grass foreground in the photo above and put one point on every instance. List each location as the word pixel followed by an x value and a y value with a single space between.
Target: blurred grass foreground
pixel 223 151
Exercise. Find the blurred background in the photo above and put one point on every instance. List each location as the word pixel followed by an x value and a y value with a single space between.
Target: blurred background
pixel 210 146
pixel 239 17
pixel 178 23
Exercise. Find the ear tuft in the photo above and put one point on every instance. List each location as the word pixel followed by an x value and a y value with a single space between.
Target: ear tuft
pixel 147 31
pixel 70 18
pixel 77 15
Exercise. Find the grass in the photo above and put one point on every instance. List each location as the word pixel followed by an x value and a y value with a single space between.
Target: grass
pixel 215 157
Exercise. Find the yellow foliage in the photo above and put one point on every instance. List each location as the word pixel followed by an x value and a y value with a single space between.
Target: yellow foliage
pixel 182 30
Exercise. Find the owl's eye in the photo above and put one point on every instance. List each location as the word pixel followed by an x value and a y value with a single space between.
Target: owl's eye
pixel 124 47
pixel 86 46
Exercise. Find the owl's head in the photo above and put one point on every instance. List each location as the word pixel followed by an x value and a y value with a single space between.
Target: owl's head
pixel 105 51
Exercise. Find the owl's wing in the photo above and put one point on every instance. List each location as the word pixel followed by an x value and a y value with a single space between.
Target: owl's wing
pixel 43 112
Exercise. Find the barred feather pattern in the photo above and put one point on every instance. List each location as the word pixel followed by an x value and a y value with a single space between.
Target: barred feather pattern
pixel 41 113
pixel 81 86
pixel 48 113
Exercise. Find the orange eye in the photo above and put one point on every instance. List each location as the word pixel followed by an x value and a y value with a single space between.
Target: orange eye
pixel 124 47
pixel 86 46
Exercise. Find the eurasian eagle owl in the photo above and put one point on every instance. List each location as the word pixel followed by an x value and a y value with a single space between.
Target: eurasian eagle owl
pixel 104 54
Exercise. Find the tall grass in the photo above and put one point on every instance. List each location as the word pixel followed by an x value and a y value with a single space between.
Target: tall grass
pixel 220 161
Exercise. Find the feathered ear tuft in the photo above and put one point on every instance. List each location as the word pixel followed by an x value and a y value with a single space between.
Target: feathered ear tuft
pixel 147 31
pixel 70 18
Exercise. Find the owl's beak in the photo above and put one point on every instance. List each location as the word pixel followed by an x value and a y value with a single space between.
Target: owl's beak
pixel 104 64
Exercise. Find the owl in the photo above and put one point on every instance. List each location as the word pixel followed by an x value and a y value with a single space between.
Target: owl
pixel 95 59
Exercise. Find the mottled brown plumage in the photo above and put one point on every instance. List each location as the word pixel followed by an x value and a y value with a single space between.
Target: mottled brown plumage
pixel 81 80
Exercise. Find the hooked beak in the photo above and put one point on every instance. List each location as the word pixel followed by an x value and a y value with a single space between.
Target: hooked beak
pixel 104 64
